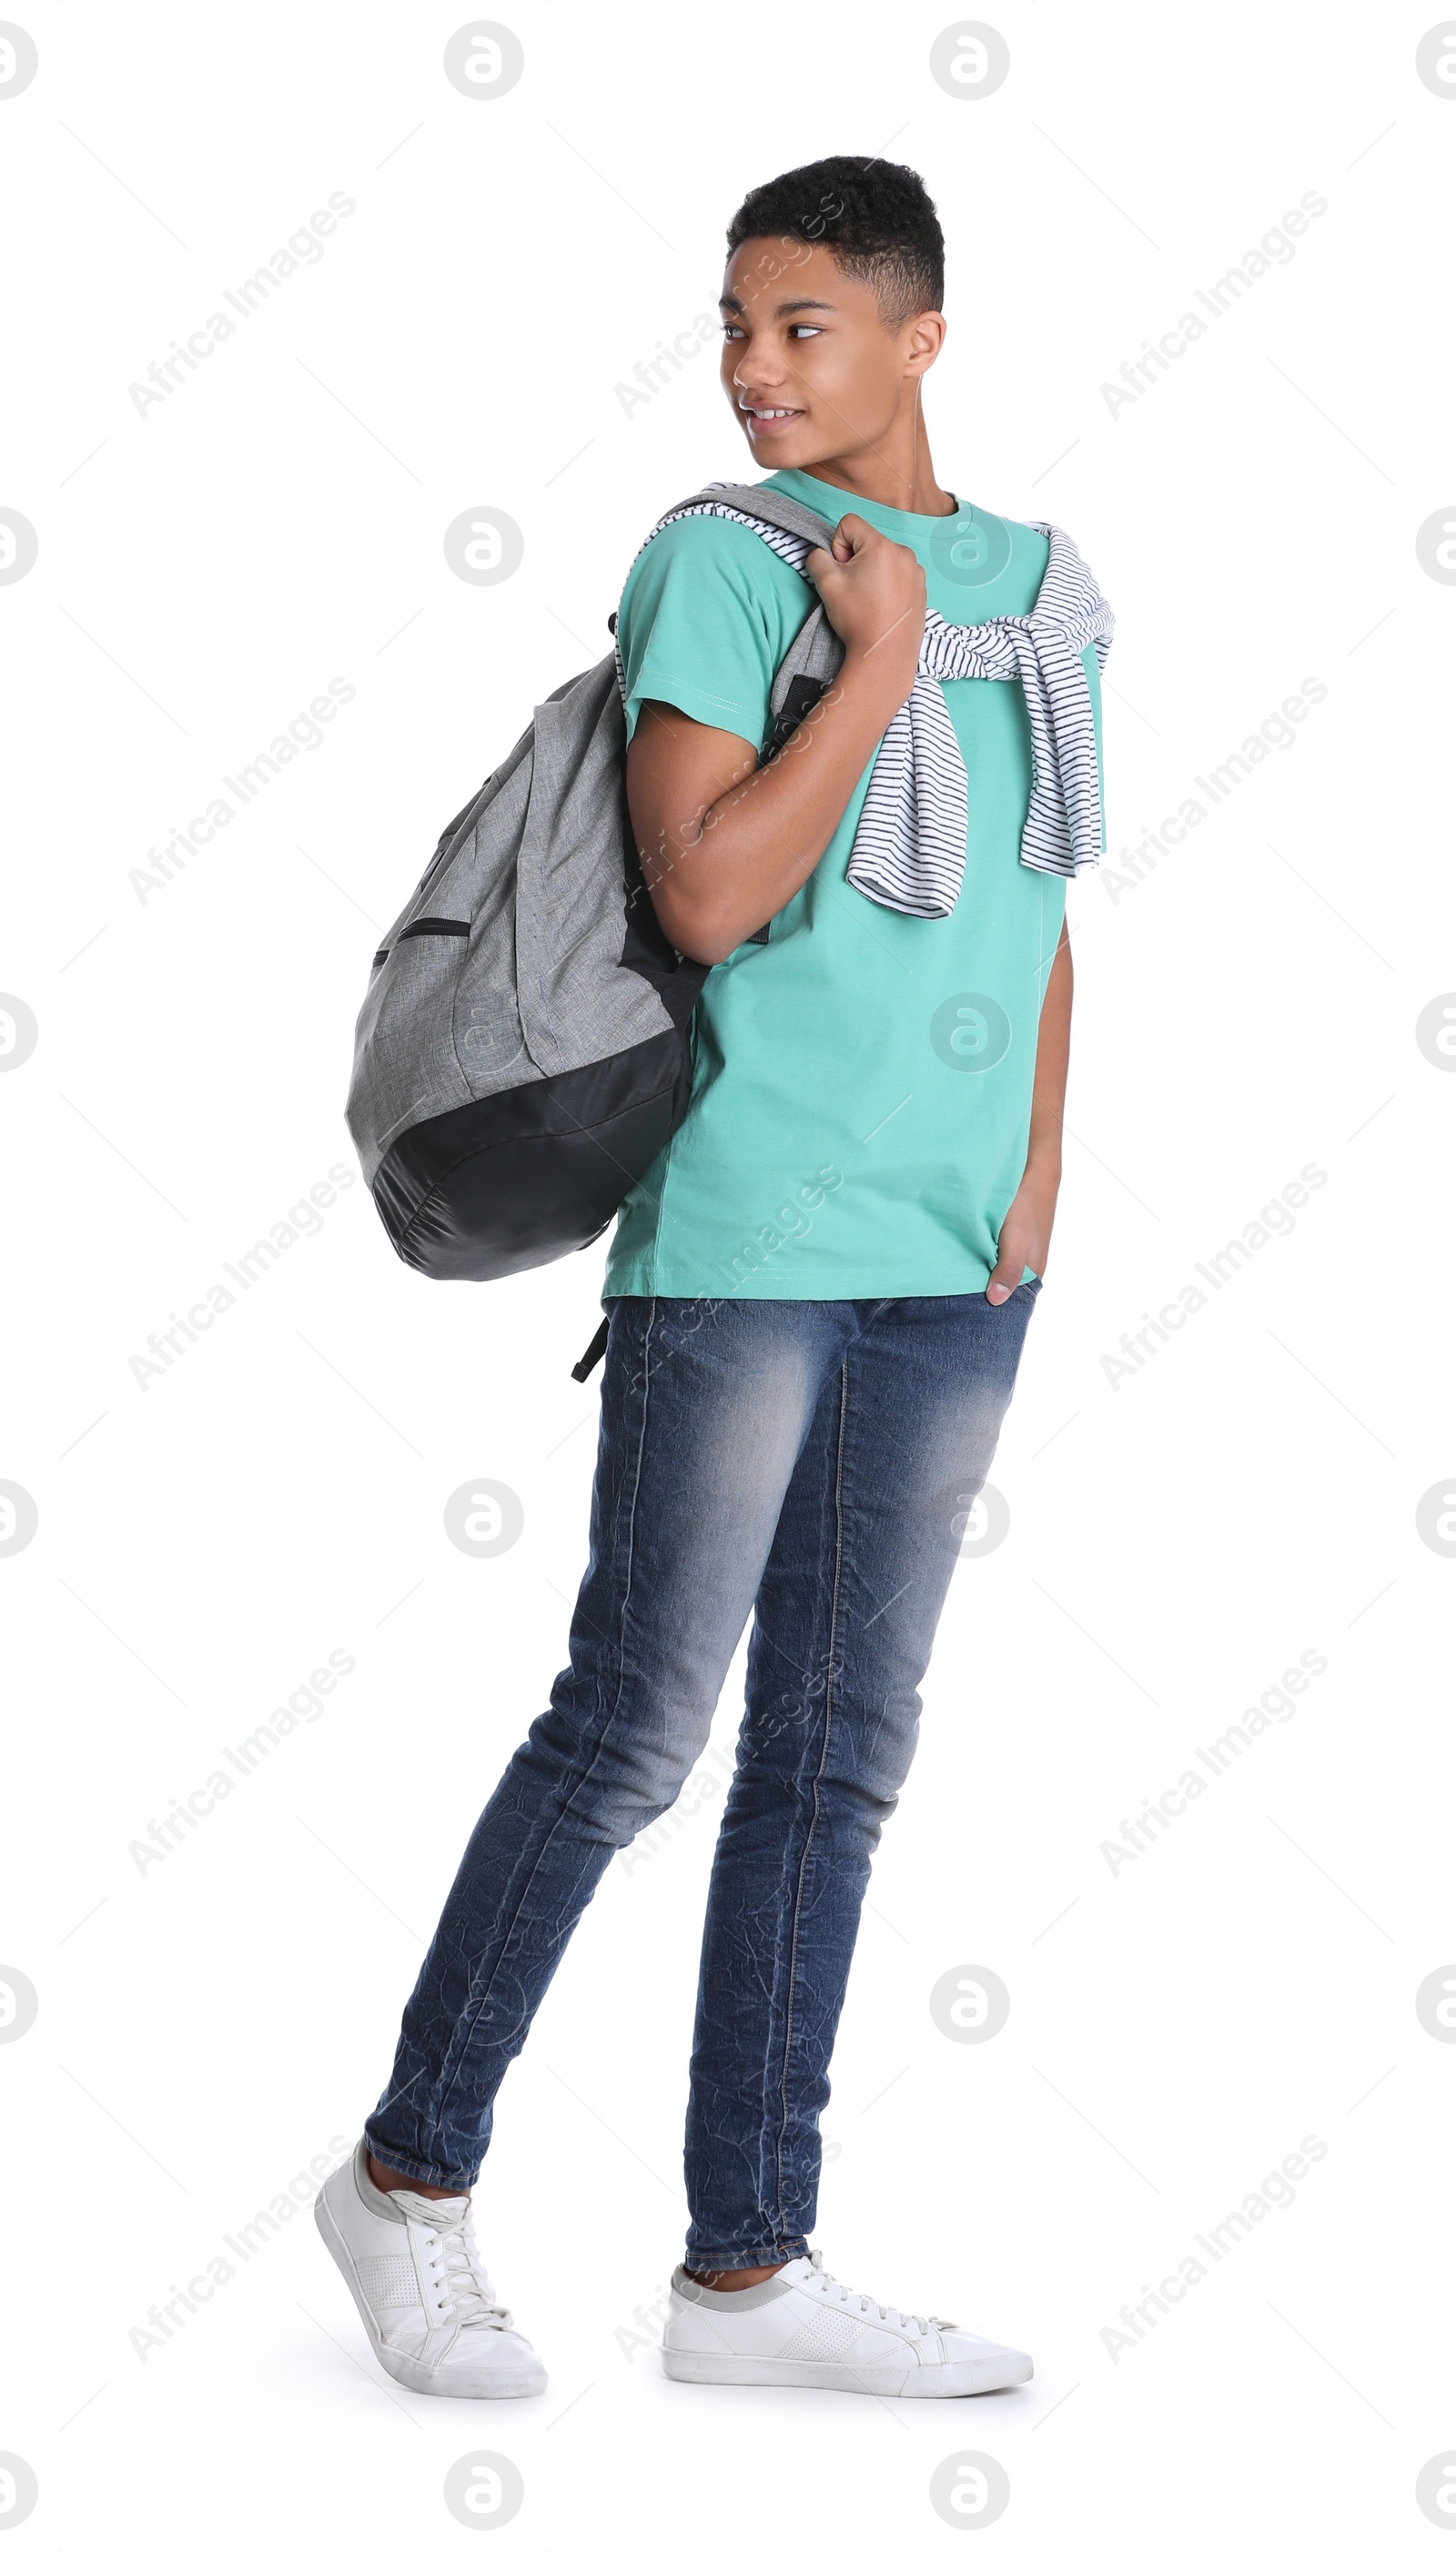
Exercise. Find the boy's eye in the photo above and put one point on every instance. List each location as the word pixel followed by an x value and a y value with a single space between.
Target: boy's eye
pixel 799 328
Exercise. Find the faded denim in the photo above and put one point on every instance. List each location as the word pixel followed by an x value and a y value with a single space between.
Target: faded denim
pixel 810 1462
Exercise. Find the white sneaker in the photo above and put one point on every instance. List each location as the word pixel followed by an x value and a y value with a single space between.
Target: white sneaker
pixel 411 2265
pixel 802 2326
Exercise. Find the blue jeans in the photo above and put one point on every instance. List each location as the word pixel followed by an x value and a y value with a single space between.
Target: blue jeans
pixel 814 1463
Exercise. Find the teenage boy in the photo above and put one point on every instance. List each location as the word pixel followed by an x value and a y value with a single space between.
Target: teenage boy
pixel 817 1297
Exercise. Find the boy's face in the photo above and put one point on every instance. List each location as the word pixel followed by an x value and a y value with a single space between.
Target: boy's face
pixel 810 369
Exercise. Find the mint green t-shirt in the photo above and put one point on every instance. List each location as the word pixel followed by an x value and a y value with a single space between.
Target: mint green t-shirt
pixel 862 1082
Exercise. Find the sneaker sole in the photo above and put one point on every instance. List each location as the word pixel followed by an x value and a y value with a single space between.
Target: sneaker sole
pixel 921 2384
pixel 407 2370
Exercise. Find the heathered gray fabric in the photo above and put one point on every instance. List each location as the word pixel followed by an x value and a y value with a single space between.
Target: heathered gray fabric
pixel 728 2299
pixel 537 868
pixel 769 504
pixel 576 1003
pixel 817 650
pixel 378 2201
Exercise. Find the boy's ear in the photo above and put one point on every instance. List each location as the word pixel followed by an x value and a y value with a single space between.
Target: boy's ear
pixel 924 340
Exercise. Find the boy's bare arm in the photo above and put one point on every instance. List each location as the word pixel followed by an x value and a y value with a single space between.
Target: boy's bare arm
pixel 1026 1232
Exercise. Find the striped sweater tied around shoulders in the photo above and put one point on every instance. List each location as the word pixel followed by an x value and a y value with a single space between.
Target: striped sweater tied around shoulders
pixel 909 847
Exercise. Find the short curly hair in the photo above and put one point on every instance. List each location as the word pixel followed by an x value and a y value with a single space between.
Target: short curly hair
pixel 874 217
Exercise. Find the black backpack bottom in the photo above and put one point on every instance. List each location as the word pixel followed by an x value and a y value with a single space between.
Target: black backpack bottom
pixel 524 1177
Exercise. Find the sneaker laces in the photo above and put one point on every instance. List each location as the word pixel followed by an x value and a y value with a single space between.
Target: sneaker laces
pixel 453 2258
pixel 920 2323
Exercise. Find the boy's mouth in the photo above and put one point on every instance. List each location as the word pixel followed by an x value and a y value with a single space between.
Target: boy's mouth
pixel 764 419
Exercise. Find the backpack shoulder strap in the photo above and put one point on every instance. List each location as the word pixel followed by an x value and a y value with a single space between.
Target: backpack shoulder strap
pixel 765 505
pixel 816 654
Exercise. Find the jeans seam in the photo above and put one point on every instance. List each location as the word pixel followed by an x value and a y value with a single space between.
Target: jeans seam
pixel 782 2228
pixel 478 1997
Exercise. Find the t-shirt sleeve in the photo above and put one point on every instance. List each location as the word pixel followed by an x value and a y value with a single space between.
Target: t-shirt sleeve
pixel 706 619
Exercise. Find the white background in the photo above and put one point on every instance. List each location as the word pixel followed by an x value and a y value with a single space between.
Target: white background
pixel 1177 1542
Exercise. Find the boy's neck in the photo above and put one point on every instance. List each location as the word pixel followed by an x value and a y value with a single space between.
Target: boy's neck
pixel 897 472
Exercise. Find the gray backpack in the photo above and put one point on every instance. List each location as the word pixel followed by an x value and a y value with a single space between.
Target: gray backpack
pixel 524 1049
